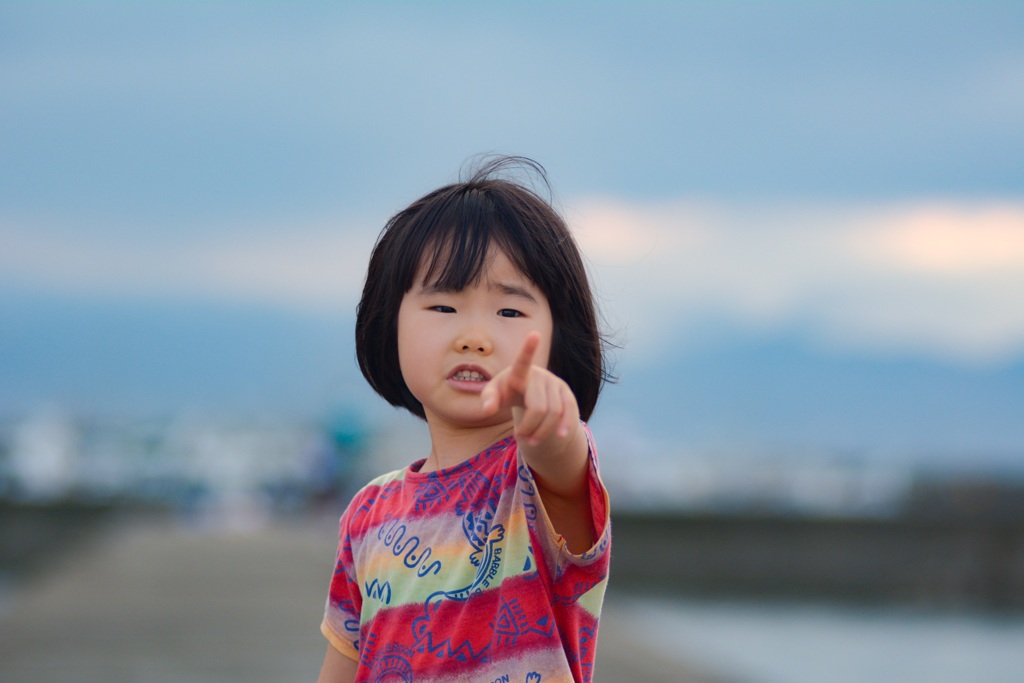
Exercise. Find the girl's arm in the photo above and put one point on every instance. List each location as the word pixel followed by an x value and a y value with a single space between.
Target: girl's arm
pixel 337 667
pixel 551 438
pixel 564 487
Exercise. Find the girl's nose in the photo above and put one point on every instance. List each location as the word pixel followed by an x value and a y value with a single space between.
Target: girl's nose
pixel 474 340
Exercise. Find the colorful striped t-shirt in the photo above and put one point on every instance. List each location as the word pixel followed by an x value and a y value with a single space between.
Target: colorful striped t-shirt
pixel 458 575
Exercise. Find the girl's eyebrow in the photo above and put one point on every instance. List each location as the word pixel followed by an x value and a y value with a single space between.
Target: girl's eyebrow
pixel 504 288
pixel 513 290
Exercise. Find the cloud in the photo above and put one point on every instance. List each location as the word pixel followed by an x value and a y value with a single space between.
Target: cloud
pixel 316 266
pixel 934 278
pixel 945 240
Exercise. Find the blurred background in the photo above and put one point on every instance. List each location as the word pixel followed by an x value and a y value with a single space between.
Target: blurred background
pixel 804 223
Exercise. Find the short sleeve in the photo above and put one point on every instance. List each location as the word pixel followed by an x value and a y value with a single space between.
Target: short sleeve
pixel 344 602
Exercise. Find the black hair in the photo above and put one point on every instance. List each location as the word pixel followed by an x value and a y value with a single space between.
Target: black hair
pixel 451 230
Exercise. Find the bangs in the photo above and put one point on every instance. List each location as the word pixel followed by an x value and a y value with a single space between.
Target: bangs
pixel 458 238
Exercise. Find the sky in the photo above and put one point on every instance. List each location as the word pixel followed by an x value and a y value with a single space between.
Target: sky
pixel 804 221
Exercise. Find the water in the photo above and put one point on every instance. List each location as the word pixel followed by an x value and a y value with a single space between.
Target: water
pixel 752 642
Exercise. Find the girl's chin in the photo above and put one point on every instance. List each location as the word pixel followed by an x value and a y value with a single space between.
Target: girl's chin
pixel 471 419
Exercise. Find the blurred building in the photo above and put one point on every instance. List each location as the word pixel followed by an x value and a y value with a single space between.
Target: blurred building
pixel 187 461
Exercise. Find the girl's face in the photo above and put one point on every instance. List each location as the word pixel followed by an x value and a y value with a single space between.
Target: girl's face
pixel 451 343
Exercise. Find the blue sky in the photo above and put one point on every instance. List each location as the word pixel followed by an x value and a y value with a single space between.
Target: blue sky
pixel 805 221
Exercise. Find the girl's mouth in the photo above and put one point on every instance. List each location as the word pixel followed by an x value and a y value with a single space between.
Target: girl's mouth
pixel 469 378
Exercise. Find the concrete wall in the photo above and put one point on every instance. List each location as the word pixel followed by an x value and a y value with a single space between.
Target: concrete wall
pixel 936 561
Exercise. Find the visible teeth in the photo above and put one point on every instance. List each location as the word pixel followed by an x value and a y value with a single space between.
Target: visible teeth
pixel 468 375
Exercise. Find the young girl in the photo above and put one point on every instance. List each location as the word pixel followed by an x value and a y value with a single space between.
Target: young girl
pixel 487 560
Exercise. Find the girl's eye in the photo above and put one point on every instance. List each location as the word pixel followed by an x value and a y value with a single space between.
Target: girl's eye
pixel 509 313
pixel 442 309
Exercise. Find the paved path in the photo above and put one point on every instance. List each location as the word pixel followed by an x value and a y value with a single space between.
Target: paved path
pixel 159 603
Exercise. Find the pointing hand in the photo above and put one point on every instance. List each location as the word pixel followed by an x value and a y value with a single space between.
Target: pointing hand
pixel 543 406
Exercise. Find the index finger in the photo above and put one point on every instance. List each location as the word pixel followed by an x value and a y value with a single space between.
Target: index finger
pixel 524 360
